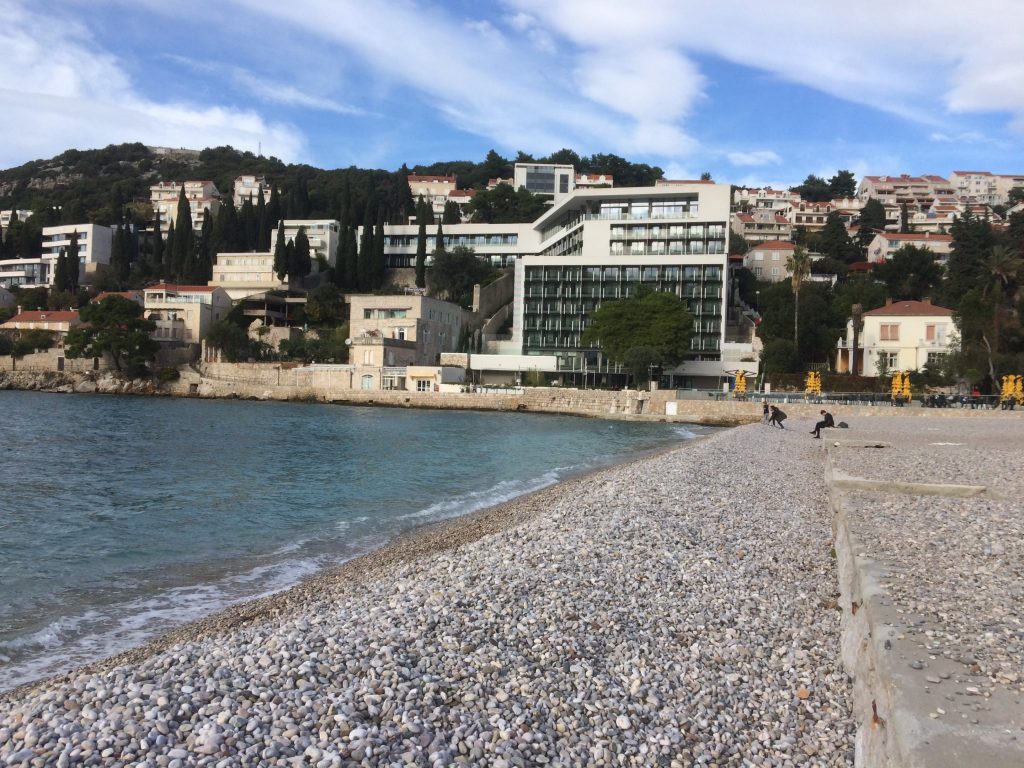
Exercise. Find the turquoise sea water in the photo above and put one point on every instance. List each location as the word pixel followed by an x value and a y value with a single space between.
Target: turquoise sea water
pixel 121 517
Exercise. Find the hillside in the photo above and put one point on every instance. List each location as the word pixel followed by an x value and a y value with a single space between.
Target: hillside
pixel 93 185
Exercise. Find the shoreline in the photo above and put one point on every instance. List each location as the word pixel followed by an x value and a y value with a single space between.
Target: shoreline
pixel 421 540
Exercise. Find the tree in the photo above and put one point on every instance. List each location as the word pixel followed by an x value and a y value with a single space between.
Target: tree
pixel 505 205
pixel 281 265
pixel 262 225
pixel 421 252
pixel 705 176
pixel 911 273
pixel 184 240
pixel 872 218
pixel 454 274
pixel 364 264
pixel 834 241
pixel 114 326
pixel 973 241
pixel 799 266
pixel 379 262
pixel 738 245
pixel 904 219
pixel 301 263
pixel 843 184
pixel 325 306
pixel 1016 195
pixel 814 189
pixel 202 271
pixel 451 214
pixel 656 320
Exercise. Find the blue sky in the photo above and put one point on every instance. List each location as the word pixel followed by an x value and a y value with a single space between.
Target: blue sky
pixel 754 94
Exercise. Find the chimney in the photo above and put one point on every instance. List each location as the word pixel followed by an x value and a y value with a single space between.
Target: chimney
pixel 19 309
pixel 926 300
pixel 888 301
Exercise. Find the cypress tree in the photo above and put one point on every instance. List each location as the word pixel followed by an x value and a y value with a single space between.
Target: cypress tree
pixel 421 253
pixel 302 197
pixel 273 214
pixel 117 254
pixel 183 236
pixel 233 238
pixel 379 262
pixel 74 264
pixel 439 240
pixel 302 265
pixel 60 271
pixel 168 265
pixel 248 225
pixel 202 272
pixel 289 258
pixel 351 268
pixel 338 272
pixel 904 219
pixel 281 263
pixel 364 264
pixel 262 225
pixel 157 263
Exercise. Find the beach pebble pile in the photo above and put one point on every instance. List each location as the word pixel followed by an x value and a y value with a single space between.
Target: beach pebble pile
pixel 675 611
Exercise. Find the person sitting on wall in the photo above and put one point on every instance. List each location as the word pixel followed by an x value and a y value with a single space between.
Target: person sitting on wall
pixel 826 421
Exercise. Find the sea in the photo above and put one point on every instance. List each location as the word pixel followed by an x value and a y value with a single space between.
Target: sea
pixel 124 517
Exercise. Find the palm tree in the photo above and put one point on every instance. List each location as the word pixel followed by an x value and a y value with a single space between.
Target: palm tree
pixel 799 266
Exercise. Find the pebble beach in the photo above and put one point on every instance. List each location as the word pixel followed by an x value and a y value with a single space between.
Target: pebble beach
pixel 677 610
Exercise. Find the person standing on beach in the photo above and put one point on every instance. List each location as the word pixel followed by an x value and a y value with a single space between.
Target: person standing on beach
pixel 764 411
pixel 826 421
pixel 777 417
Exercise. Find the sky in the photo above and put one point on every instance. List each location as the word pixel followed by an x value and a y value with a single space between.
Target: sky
pixel 753 93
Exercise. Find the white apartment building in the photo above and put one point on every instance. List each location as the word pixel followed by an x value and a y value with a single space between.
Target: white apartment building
pixel 26 273
pixel 761 224
pixel 885 244
pixel 591 180
pixel 778 200
pixel 433 189
pixel 402 330
pixel 242 275
pixel 545 179
pixel 248 188
pixel 184 313
pixel 500 244
pixel 6 216
pixel 94 245
pixel 602 244
pixel 202 197
pixel 910 334
pixel 322 235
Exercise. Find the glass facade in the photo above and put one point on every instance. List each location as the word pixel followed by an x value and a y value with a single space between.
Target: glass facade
pixel 558 300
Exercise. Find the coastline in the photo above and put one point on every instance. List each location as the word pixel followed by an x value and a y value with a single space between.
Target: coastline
pixel 670 608
pixel 422 540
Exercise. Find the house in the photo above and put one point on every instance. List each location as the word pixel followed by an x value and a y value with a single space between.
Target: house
pixel 809 215
pixel 885 244
pixel 760 225
pixel 397 341
pixel 249 188
pixel 589 180
pixel 547 179
pixel 433 189
pixel 243 275
pixel 202 197
pixel 767 260
pixel 322 235
pixel 56 322
pixel 6 216
pixel 908 334
pixel 184 314
pixel 94 247
pixel 26 273
pixel 135 296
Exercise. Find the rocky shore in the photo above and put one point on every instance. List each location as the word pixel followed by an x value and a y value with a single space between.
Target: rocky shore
pixel 675 611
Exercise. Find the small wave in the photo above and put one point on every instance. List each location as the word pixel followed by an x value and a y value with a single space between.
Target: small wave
pixel 685 434
pixel 72 641
pixel 506 490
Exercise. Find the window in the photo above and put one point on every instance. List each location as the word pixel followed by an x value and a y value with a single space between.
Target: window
pixel 936 359
pixel 423 385
pixel 758 255
pixel 890 332
pixel 366 382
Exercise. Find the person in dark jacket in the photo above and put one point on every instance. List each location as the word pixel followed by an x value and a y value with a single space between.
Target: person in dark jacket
pixel 826 421
pixel 777 417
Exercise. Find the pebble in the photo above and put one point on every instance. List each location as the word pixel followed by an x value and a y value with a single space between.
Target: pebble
pixel 603 621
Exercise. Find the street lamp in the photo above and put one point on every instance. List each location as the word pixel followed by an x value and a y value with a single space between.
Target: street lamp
pixel 757 301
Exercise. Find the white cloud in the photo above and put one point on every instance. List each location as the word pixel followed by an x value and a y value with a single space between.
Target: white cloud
pixel 75 95
pixel 520 96
pixel 757 157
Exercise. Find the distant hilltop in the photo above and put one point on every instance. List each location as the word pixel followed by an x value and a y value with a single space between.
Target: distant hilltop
pixel 174 151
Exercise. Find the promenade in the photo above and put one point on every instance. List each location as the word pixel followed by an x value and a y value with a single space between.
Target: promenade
pixel 692 608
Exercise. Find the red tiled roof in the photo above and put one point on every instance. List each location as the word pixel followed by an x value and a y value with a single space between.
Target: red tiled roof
pixel 133 295
pixel 909 309
pixel 774 245
pixel 781 219
pixel 44 316
pixel 745 217
pixel 973 173
pixel 182 288
pixel 462 193
pixel 861 266
pixel 415 178
pixel 918 236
